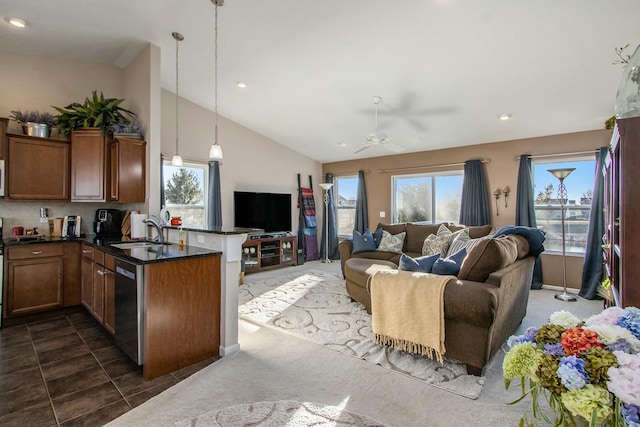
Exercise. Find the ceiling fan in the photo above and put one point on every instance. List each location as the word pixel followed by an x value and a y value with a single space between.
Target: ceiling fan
pixel 378 137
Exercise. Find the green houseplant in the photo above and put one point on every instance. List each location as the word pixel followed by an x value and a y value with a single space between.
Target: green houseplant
pixel 96 111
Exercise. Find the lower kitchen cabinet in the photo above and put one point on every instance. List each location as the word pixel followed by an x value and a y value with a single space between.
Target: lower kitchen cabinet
pixel 35 279
pixel 98 285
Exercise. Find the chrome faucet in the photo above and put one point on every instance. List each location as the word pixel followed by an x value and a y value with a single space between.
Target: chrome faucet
pixel 153 223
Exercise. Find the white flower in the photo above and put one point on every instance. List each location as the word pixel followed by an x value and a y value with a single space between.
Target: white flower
pixel 608 334
pixel 564 318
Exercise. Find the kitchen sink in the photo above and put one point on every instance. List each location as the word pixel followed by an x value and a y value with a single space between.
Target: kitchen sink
pixel 140 244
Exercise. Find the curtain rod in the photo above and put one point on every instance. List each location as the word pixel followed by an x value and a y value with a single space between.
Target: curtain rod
pixel 577 153
pixel 444 165
pixel 348 173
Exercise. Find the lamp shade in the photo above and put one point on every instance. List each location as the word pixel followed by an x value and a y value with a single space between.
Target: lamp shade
pixel 215 153
pixel 326 186
pixel 561 173
pixel 176 160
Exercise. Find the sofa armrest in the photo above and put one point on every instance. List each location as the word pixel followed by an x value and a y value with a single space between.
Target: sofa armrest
pixel 471 302
pixel 345 248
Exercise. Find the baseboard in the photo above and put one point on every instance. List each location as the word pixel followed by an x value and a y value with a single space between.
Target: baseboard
pixel 225 351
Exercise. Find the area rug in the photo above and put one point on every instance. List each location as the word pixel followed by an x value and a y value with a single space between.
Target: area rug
pixel 279 414
pixel 314 305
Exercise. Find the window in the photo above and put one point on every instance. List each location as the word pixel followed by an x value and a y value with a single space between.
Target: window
pixel 432 198
pixel 579 186
pixel 185 192
pixel 346 192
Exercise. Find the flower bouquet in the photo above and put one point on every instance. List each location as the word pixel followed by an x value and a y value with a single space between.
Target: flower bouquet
pixel 589 368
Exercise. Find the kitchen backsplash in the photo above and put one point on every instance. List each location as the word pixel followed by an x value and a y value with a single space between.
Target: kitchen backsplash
pixel 27 214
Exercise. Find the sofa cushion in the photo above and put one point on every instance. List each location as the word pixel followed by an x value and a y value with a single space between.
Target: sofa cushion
pixel 392 242
pixel 358 270
pixel 422 264
pixel 416 234
pixel 462 240
pixel 393 228
pixel 363 242
pixel 474 231
pixel 488 256
pixel 440 242
pixel 450 265
pixel 521 243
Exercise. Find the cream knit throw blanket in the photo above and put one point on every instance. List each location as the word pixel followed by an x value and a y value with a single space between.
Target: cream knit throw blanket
pixel 407 311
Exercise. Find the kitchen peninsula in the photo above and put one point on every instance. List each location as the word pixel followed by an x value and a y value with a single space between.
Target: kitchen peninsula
pixel 177 309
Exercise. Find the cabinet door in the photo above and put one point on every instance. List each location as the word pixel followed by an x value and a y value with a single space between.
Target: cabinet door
pixel 109 300
pixel 38 169
pixel 87 283
pixel 3 131
pixel 34 285
pixel 128 171
pixel 88 165
pixel 98 293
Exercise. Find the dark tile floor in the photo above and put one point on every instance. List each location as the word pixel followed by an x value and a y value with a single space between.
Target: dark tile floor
pixel 68 372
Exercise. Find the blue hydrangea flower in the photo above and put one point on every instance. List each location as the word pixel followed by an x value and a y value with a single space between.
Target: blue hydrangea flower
pixel 515 340
pixel 530 333
pixel 631 414
pixel 553 349
pixel 631 321
pixel 620 345
pixel 572 373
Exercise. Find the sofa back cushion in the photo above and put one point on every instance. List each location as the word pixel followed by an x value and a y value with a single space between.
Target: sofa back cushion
pixel 416 234
pixel 488 256
pixel 475 231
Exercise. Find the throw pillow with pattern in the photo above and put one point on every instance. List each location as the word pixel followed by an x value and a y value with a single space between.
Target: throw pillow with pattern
pixel 392 242
pixel 440 242
pixel 462 240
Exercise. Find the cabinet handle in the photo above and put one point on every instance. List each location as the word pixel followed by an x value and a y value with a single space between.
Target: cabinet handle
pixel 36 252
pixel 86 252
pixel 100 272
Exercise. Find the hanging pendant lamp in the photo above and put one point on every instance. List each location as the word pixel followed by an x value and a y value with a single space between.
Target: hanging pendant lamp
pixel 176 160
pixel 215 153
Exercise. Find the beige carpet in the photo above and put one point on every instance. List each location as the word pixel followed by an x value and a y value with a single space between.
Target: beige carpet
pixel 279 414
pixel 314 305
pixel 273 366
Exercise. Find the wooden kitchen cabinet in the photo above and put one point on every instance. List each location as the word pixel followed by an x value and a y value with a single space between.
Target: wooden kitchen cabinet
pixel 98 285
pixel 105 169
pixel 109 293
pixel 37 168
pixel 87 277
pixel 34 279
pixel 3 131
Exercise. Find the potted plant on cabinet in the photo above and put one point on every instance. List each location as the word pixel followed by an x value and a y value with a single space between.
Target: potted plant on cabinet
pixel 35 123
pixel 96 111
pixel 132 130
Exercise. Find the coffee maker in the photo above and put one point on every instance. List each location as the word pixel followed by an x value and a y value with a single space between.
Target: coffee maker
pixel 108 222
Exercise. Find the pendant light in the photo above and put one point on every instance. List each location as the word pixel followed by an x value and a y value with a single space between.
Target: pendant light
pixel 215 153
pixel 177 159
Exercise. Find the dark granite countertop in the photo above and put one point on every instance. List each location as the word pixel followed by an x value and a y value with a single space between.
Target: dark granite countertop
pixel 217 230
pixel 142 255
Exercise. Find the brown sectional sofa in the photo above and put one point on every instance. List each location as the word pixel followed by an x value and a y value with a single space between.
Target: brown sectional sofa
pixel 482 308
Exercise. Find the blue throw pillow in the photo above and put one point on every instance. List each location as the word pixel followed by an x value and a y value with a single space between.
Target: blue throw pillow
pixel 421 264
pixel 377 236
pixel 451 265
pixel 363 242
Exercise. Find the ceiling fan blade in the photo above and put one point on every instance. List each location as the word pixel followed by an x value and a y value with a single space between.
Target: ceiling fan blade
pixel 361 149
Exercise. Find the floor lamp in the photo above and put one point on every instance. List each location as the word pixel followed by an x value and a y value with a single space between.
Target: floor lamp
pixel 326 186
pixel 561 174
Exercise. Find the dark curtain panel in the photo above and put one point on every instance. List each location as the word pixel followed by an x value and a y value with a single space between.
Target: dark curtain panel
pixel 214 218
pixel 333 230
pixel 163 201
pixel 474 207
pixel 525 214
pixel 593 257
pixel 362 212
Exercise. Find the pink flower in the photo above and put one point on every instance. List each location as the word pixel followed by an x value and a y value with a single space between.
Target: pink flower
pixel 608 316
pixel 624 381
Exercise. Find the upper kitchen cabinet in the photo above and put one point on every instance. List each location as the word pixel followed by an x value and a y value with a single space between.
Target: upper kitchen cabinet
pixel 105 169
pixel 37 168
pixel 3 130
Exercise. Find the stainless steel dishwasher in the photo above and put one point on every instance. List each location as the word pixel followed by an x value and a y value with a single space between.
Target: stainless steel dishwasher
pixel 129 301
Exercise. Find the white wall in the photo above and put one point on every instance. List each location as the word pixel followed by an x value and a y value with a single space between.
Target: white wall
pixel 251 161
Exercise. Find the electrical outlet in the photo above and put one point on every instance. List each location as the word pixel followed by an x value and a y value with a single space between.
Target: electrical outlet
pixel 45 219
pixel 200 238
pixel 383 214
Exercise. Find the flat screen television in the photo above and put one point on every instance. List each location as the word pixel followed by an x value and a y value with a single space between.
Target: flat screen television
pixel 268 211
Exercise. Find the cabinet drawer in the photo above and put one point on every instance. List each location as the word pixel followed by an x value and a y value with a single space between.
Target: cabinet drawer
pixel 35 251
pixel 87 251
pixel 98 256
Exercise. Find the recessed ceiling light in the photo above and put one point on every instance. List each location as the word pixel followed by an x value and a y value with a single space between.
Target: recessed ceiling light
pixel 242 85
pixel 504 116
pixel 17 22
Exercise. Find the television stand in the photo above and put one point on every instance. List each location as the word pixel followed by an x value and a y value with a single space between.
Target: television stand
pixel 266 253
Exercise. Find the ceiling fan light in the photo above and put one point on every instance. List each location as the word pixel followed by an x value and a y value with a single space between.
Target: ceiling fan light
pixel 176 161
pixel 215 153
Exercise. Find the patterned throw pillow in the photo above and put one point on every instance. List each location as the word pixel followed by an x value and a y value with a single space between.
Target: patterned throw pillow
pixel 422 264
pixel 392 242
pixel 450 265
pixel 462 240
pixel 363 242
pixel 440 242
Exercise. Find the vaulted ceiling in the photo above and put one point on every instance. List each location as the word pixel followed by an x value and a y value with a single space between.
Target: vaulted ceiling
pixel 445 69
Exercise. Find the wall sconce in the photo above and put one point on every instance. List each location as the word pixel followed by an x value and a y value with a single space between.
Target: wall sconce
pixel 497 193
pixel 506 190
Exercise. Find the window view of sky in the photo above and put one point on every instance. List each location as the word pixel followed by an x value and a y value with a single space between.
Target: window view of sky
pixel 579 182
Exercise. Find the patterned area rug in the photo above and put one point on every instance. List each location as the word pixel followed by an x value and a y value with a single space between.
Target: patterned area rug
pixel 314 305
pixel 279 414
